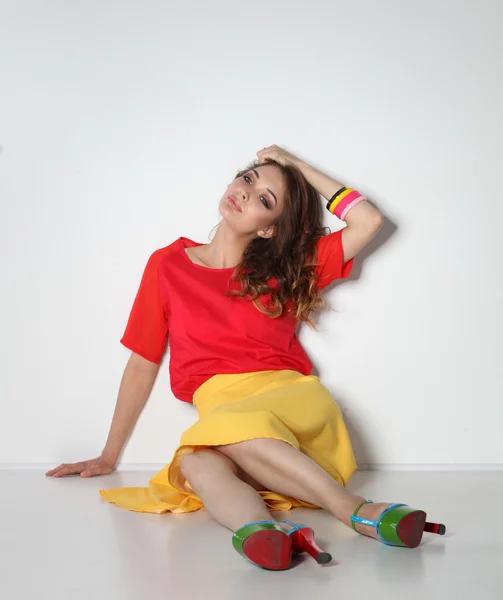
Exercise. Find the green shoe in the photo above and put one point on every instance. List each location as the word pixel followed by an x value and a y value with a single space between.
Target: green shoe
pixel 265 543
pixel 399 525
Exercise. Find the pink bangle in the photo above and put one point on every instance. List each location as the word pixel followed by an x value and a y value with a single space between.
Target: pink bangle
pixel 350 206
pixel 344 201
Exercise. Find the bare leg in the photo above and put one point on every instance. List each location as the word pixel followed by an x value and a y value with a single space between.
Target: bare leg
pixel 229 500
pixel 283 469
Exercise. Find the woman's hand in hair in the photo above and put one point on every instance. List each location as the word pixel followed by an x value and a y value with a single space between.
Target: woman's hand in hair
pixel 278 154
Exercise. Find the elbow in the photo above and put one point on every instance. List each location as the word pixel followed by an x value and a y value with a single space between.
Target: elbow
pixel 365 216
pixel 372 223
pixel 372 219
pixel 377 222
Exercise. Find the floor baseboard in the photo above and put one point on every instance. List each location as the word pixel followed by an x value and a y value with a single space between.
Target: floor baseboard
pixel 362 466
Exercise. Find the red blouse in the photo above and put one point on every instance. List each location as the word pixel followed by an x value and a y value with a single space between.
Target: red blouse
pixel 211 333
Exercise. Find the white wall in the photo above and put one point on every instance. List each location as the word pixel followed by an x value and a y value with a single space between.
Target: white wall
pixel 121 124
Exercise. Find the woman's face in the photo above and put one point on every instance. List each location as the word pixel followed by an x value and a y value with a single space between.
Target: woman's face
pixel 259 194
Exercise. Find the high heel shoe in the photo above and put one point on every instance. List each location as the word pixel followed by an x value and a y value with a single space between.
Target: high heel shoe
pixel 265 543
pixel 399 525
pixel 302 538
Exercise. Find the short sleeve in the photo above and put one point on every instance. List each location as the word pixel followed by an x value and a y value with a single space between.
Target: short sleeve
pixel 147 328
pixel 330 260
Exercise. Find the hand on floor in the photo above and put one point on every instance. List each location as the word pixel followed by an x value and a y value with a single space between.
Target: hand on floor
pixel 87 468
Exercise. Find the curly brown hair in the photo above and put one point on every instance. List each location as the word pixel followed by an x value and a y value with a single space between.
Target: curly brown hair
pixel 289 256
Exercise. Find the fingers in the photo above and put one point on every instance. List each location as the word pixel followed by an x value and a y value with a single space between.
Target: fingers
pixel 88 468
pixel 91 472
pixel 96 470
pixel 64 470
pixel 56 470
pixel 52 471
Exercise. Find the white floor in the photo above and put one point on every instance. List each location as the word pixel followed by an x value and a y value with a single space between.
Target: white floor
pixel 60 540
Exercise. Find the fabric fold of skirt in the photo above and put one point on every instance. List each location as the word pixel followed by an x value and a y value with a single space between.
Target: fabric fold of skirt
pixel 283 405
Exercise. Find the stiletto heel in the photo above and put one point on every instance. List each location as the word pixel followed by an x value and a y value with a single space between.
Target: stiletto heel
pixel 435 528
pixel 303 541
pixel 399 525
pixel 265 543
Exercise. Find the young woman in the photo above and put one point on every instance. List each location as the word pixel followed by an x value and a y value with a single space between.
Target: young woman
pixel 269 436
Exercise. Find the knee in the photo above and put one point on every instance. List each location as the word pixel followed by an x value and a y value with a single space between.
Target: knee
pixel 192 464
pixel 198 464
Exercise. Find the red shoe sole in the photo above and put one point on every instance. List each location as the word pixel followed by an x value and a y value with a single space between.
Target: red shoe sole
pixel 411 528
pixel 269 549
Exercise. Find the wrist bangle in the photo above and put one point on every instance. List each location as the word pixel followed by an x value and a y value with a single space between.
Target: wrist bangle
pixel 343 201
pixel 337 193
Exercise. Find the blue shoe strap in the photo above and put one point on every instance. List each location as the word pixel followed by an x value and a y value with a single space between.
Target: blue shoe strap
pixel 296 526
pixel 260 523
pixel 356 519
pixel 375 524
pixel 364 521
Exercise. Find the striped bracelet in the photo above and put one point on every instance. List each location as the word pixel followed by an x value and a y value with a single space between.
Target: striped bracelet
pixel 343 201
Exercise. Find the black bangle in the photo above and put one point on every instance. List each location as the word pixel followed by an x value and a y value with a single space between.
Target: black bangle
pixel 334 197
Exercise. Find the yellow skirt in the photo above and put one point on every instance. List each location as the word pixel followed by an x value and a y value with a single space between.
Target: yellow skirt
pixel 284 405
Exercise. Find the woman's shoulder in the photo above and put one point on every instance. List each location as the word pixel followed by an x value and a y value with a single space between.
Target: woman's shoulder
pixel 156 256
